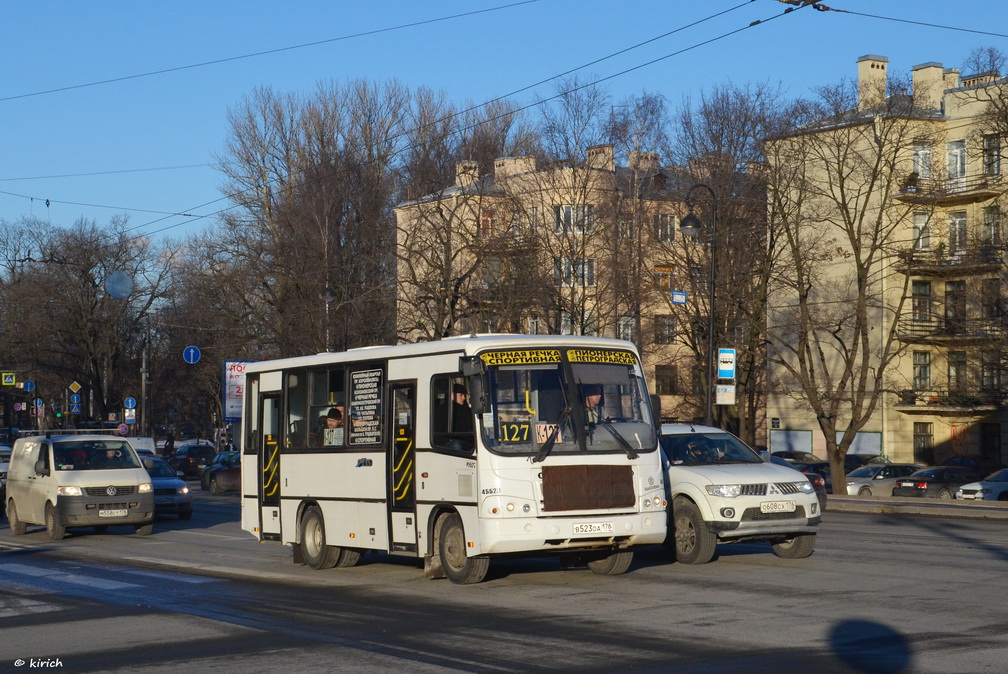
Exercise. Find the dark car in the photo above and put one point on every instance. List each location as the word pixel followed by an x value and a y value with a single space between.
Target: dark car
pixel 191 457
pixel 220 461
pixel 980 464
pixel 818 483
pixel 794 456
pixel 171 494
pixel 226 478
pixel 820 468
pixel 935 482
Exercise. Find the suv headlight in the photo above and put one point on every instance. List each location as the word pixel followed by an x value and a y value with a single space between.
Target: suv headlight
pixel 806 487
pixel 724 490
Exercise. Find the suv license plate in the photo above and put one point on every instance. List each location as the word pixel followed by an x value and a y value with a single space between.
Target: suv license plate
pixel 112 513
pixel 777 507
pixel 593 528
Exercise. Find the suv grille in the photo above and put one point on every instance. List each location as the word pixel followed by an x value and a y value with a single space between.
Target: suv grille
pixel 754 515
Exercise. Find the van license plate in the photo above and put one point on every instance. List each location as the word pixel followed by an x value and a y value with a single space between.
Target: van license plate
pixel 777 507
pixel 593 528
pixel 112 513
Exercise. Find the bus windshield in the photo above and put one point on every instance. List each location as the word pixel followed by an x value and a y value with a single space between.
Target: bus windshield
pixel 556 401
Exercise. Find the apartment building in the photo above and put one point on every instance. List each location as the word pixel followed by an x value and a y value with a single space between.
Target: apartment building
pixel 937 288
pixel 571 247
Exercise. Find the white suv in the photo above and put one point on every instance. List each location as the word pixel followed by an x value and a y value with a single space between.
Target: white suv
pixel 720 490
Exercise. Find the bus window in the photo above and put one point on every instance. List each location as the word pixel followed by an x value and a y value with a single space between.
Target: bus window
pixel 327 410
pixel 451 414
pixel 297 422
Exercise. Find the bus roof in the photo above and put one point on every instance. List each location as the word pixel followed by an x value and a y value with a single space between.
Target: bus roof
pixel 462 344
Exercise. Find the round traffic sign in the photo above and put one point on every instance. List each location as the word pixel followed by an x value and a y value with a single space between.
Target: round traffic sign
pixel 129 403
pixel 29 385
pixel 75 398
pixel 123 429
pixel 191 355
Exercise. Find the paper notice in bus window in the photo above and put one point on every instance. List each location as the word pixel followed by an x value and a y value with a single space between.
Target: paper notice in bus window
pixel 543 432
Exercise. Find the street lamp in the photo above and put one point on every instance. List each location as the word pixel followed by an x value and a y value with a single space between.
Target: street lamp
pixel 690 228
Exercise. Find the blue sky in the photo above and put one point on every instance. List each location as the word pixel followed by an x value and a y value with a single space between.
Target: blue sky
pixel 88 150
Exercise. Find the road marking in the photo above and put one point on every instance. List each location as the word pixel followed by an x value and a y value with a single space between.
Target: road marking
pixel 75 578
pixel 173 577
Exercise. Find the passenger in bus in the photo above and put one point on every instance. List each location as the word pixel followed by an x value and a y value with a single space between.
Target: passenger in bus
pixel 462 414
pixel 332 432
pixel 592 403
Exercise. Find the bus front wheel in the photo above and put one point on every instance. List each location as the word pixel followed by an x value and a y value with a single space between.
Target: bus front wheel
pixel 459 567
pixel 316 553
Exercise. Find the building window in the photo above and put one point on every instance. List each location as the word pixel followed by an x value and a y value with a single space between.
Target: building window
pixel 666 380
pixel 568 271
pixel 627 328
pixel 922 160
pixel 488 223
pixel 921 301
pixel 568 218
pixel 533 325
pixel 664 325
pixel 992 155
pixel 924 442
pixel 956 159
pixel 663 276
pixel 990 232
pixel 955 306
pixel 990 441
pixel 665 226
pixel 921 370
pixel 956 370
pixel 990 298
pixel 990 371
pixel 957 232
pixel 921 231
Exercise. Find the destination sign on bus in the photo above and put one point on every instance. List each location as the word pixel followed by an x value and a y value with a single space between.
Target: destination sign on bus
pixel 596 356
pixel 523 357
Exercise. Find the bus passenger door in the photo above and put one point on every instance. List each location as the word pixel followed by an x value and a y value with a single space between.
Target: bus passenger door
pixel 402 477
pixel 269 466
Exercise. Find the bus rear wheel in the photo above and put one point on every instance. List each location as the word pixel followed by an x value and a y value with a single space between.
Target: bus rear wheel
pixel 613 564
pixel 316 553
pixel 459 567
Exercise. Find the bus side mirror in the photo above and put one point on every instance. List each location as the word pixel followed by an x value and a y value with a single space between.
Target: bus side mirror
pixel 473 370
pixel 656 411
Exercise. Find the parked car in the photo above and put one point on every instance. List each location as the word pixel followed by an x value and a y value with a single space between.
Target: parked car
pixel 795 456
pixel 721 491
pixel 994 487
pixel 5 453
pixel 818 483
pixel 935 482
pixel 877 479
pixel 820 468
pixel 221 461
pixel 980 464
pixel 192 457
pixel 171 494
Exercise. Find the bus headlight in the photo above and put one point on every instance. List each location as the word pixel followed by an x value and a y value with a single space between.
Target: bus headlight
pixel 68 491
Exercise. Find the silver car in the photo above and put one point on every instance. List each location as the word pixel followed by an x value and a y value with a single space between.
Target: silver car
pixel 877 479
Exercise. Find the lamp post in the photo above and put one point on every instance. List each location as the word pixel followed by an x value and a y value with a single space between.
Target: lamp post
pixel 327 295
pixel 690 228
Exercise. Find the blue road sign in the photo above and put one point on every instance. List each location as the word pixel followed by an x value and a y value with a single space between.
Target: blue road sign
pixel 678 297
pixel 29 385
pixel 129 403
pixel 75 408
pixel 9 379
pixel 39 402
pixel 75 398
pixel 191 355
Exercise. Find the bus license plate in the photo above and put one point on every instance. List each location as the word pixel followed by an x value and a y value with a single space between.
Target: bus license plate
pixel 112 513
pixel 593 528
pixel 777 507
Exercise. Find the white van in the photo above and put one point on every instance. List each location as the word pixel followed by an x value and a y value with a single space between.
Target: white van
pixel 721 491
pixel 77 481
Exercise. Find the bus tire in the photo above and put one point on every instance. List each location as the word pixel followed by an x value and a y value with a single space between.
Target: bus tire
pixel 348 557
pixel 694 542
pixel 613 564
pixel 459 567
pixel 54 526
pixel 316 553
pixel 17 525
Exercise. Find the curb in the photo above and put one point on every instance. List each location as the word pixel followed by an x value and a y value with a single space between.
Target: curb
pixel 993 510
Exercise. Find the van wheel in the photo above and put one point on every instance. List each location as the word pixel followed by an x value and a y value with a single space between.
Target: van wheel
pixel 17 527
pixel 459 567
pixel 144 529
pixel 613 564
pixel 694 542
pixel 316 553
pixel 53 524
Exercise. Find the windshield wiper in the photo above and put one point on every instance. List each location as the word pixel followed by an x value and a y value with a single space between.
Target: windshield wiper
pixel 606 424
pixel 547 446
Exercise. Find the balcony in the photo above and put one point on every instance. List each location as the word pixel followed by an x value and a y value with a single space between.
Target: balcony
pixel 950 402
pixel 951 191
pixel 941 262
pixel 950 330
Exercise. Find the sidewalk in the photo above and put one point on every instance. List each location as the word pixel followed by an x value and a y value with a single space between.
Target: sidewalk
pixel 995 510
